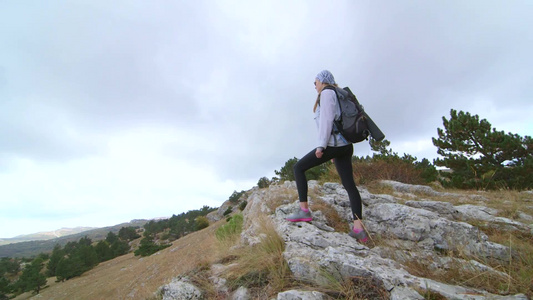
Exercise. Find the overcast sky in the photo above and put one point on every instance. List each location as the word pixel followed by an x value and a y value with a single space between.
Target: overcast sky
pixel 117 110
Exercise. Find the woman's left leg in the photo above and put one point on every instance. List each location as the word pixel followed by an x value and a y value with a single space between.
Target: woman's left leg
pixel 307 162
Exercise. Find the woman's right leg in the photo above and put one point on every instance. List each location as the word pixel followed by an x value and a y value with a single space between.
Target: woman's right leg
pixel 343 164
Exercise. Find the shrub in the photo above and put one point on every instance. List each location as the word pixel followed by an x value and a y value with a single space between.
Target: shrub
pixel 263 183
pixel 128 233
pixel 149 247
pixel 397 170
pixel 201 223
pixel 228 211
pixel 428 172
pixel 234 198
pixel 385 165
pixel 231 229
pixel 243 204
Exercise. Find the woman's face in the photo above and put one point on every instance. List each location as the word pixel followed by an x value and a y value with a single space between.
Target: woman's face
pixel 318 86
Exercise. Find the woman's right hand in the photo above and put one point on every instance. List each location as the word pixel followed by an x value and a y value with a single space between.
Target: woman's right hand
pixel 319 152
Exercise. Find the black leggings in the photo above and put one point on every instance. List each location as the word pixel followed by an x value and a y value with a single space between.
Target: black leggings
pixel 343 163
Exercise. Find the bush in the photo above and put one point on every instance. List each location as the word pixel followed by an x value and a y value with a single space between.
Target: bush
pixel 388 165
pixel 243 204
pixel 401 171
pixel 263 183
pixel 428 172
pixel 201 223
pixel 128 234
pixel 231 229
pixel 149 247
pixel 228 211
pixel 234 198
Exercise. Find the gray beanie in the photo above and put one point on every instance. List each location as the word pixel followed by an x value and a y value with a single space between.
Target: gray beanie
pixel 326 77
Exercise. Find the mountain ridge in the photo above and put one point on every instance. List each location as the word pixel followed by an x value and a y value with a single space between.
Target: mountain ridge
pixel 45 235
pixel 31 248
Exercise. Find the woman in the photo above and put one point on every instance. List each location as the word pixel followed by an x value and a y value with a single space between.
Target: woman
pixel 330 146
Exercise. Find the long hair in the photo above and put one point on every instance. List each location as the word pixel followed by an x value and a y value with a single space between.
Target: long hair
pixel 317 102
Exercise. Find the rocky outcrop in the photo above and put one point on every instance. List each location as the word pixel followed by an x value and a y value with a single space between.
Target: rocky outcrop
pixel 418 229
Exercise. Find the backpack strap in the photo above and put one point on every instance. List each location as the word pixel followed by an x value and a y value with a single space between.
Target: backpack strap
pixel 331 87
pixel 334 129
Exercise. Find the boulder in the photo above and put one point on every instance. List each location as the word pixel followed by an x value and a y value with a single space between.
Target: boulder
pixel 180 289
pixel 302 295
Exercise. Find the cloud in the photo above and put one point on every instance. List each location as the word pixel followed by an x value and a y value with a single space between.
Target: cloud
pixel 105 107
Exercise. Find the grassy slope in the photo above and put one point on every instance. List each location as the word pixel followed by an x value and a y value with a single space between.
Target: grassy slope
pixel 131 277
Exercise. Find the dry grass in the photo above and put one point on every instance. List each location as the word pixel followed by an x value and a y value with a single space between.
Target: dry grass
pixel 457 273
pixel 509 202
pixel 333 219
pixel 280 197
pixel 520 266
pixel 354 288
pixel 377 188
pixel 131 277
pixel 261 267
pixel 365 172
pixel 331 175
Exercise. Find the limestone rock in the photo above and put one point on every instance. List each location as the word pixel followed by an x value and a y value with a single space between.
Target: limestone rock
pixel 241 293
pixel 443 209
pixel 301 295
pixel 431 231
pixel 180 289
pixel 470 212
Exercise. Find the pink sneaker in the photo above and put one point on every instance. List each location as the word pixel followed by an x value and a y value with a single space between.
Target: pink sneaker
pixel 360 235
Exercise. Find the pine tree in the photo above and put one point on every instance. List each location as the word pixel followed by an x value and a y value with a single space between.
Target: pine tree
pixel 286 172
pixel 111 238
pixel 119 248
pixel 31 278
pixel 4 288
pixel 103 251
pixel 57 255
pixel 482 157
pixel 69 267
pixel 128 234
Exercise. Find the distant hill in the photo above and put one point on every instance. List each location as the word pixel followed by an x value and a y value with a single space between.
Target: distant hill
pixel 34 247
pixel 42 236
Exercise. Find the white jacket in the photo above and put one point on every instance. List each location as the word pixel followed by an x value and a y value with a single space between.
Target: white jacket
pixel 327 111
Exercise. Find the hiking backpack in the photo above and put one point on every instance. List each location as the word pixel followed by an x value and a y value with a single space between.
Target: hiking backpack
pixel 352 123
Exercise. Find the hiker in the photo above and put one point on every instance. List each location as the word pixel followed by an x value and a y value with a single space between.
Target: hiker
pixel 331 146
